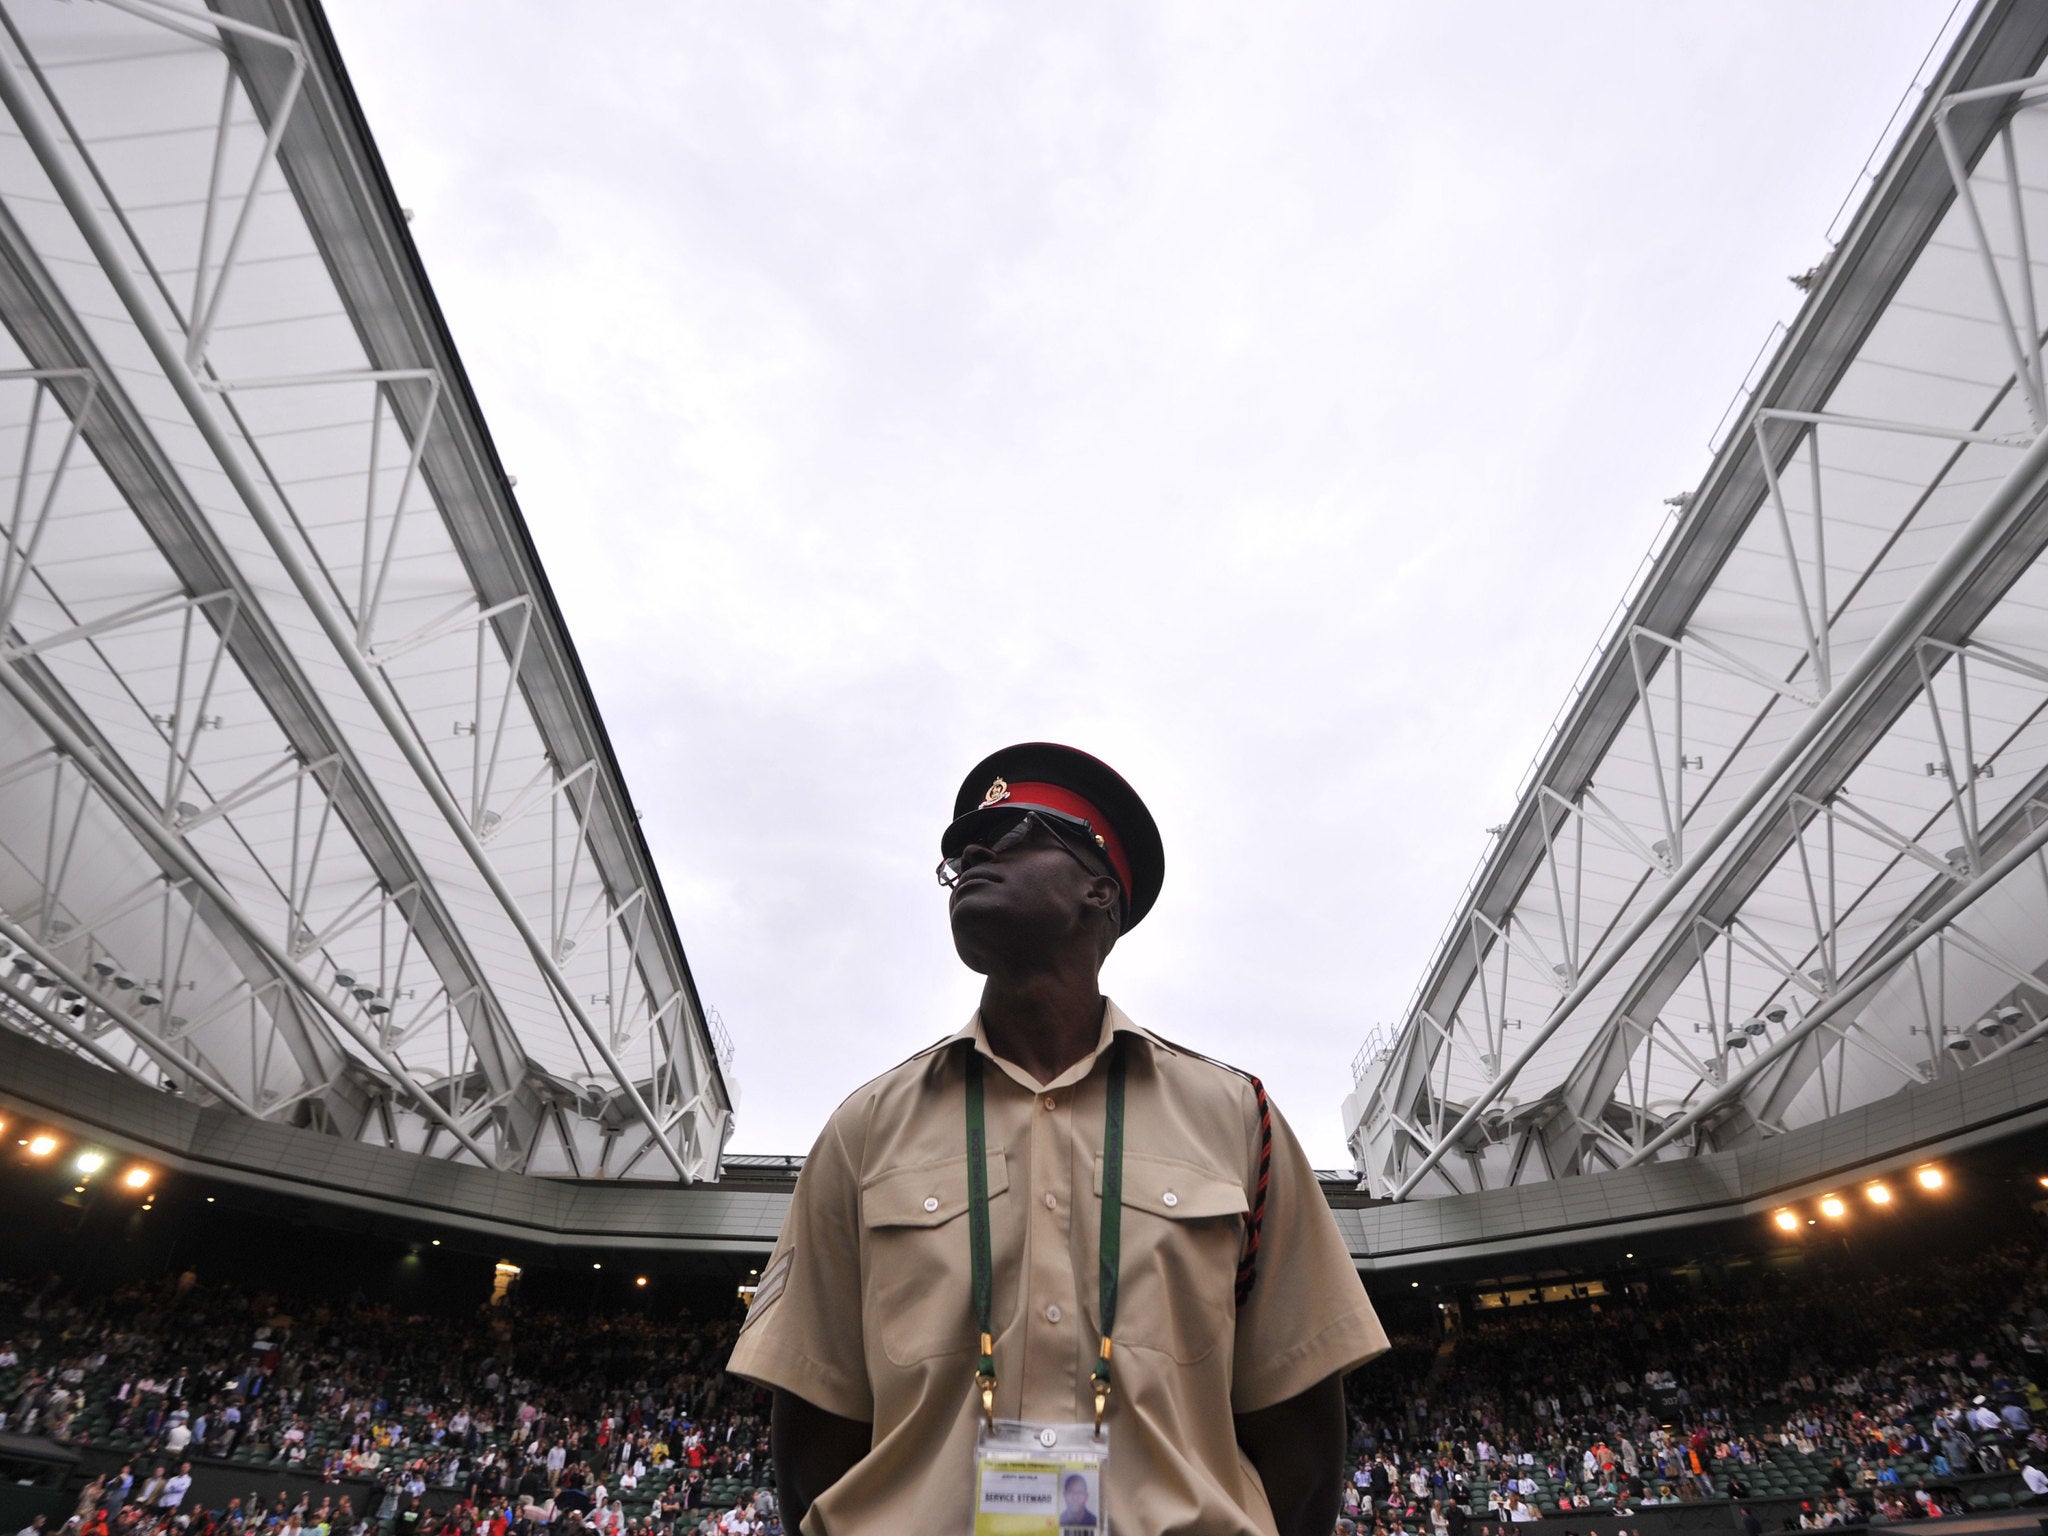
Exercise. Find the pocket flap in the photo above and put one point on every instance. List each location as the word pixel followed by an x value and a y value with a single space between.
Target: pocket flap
pixel 1178 1191
pixel 930 1194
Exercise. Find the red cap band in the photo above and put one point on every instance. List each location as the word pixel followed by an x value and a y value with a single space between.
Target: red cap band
pixel 1053 798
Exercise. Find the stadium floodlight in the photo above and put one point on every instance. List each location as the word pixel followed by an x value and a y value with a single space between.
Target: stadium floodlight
pixel 2008 1015
pixel 1834 1207
pixel 42 1146
pixel 1879 1193
pixel 1754 1027
pixel 1930 1177
pixel 1789 1222
pixel 136 1178
pixel 639 1279
pixel 91 1162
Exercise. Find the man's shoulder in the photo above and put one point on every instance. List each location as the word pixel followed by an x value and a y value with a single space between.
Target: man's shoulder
pixel 910 1079
pixel 1193 1065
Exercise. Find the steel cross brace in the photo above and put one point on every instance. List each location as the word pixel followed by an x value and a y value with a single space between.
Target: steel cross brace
pixel 2007 504
pixel 179 371
pixel 1874 970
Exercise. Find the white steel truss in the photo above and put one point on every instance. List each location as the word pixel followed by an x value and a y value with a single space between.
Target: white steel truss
pixel 1786 855
pixel 285 696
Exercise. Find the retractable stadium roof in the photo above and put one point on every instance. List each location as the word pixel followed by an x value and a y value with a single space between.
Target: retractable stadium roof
pixel 305 808
pixel 1782 857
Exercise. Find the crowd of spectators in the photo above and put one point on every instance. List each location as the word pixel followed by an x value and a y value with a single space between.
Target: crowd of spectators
pixel 1863 1389
pixel 505 1422
pixel 1863 1392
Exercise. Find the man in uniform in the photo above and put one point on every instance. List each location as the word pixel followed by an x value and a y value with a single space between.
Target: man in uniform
pixel 1237 1309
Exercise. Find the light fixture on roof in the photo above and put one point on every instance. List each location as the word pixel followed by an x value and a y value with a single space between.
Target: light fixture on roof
pixel 1834 1207
pixel 1930 1177
pixel 1754 1027
pixel 137 1177
pixel 1878 1192
pixel 104 968
pixel 1989 1024
pixel 1787 1221
pixel 2009 1016
pixel 1775 1014
pixel 344 979
pixel 42 1145
pixel 91 1162
pixel 1956 1040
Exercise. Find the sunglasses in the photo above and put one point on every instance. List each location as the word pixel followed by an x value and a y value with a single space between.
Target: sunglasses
pixel 1072 833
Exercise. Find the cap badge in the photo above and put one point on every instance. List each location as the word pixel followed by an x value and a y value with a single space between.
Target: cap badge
pixel 998 792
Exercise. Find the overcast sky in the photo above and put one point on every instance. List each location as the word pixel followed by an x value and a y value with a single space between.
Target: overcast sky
pixel 1273 400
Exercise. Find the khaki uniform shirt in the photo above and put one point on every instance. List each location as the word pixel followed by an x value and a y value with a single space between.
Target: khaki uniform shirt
pixel 866 1308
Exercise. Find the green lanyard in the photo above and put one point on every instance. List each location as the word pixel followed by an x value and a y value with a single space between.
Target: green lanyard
pixel 1111 1243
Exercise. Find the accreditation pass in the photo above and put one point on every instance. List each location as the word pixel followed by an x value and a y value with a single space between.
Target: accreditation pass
pixel 1039 1479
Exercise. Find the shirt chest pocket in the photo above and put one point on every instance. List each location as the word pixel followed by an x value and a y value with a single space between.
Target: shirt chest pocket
pixel 1183 1229
pixel 920 1293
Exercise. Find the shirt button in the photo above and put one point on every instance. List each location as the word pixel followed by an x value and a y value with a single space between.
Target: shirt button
pixel 1052 1202
pixel 931 1202
pixel 1052 1313
pixel 1170 1199
pixel 1051 1102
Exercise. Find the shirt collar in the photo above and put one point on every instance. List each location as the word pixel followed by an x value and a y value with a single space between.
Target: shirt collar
pixel 1114 1022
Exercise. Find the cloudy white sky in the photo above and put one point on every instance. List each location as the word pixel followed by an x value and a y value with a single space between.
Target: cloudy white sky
pixel 1273 400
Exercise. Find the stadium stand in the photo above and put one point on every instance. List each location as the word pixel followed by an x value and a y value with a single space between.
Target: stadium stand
pixel 1811 1382
pixel 532 1420
pixel 1850 1389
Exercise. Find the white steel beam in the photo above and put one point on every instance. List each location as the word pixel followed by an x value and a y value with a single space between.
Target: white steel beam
pixel 1851 989
pixel 2015 499
pixel 198 403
